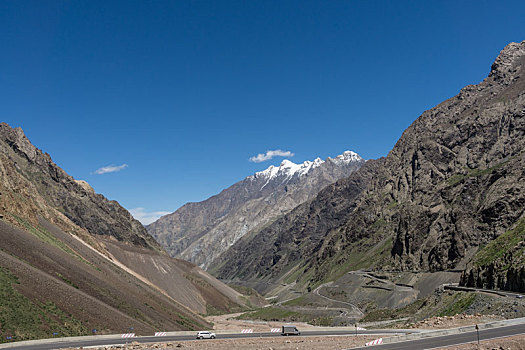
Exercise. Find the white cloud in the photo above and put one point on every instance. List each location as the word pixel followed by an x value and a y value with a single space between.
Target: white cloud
pixel 110 169
pixel 261 157
pixel 145 217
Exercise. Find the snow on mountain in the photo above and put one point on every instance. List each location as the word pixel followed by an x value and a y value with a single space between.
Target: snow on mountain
pixel 289 169
pixel 346 157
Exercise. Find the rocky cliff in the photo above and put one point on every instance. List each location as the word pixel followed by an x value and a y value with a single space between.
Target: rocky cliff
pixel 453 181
pixel 75 199
pixel 200 232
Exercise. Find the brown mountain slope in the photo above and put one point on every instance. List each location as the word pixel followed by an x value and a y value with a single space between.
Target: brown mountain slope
pixel 454 181
pixel 72 278
pixel 59 277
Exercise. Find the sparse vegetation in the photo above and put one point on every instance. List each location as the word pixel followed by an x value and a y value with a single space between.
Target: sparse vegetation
pixel 46 237
pixel 247 291
pixel 456 178
pixel 66 280
pixel 295 275
pixel 296 302
pixel 365 253
pixel 23 319
pixel 503 244
pixel 187 323
pixel 461 303
pixel 285 315
pixel 392 205
pixel 446 304
pixel 212 311
pixel 390 314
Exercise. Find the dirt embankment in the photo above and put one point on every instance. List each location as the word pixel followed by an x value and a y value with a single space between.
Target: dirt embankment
pixel 277 343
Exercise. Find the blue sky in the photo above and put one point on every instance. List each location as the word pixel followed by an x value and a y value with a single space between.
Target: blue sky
pixel 179 95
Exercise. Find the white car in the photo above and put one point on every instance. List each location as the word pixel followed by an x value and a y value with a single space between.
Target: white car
pixel 205 335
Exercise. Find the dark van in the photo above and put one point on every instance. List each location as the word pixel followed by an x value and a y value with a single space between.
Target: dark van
pixel 290 330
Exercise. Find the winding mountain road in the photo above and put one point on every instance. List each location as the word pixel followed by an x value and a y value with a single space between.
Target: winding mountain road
pixel 354 308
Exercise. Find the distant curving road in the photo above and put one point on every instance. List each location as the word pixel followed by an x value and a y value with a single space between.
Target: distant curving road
pixel 352 306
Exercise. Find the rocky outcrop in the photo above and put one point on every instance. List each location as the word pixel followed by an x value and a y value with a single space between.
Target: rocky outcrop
pixel 200 232
pixel 453 181
pixel 500 264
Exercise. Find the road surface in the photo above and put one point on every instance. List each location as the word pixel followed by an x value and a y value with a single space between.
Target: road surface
pixel 61 344
pixel 453 339
pixel 425 343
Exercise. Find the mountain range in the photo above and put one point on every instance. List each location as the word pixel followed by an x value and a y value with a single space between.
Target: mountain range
pixel 201 232
pixel 448 199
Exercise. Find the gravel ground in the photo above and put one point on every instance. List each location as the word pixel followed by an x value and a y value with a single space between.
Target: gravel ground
pixel 277 343
pixel 510 343
pixel 446 322
pixel 228 323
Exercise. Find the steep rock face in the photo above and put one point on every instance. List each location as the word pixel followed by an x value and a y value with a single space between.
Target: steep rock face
pixel 75 199
pixel 453 181
pixel 200 232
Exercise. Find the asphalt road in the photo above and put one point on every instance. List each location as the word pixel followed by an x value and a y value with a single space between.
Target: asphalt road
pixel 426 343
pixel 58 344
pixel 454 339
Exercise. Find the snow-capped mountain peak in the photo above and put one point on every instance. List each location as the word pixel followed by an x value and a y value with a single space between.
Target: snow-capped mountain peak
pixel 288 168
pixel 346 157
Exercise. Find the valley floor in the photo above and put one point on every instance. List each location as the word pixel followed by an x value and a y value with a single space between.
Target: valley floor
pixel 229 323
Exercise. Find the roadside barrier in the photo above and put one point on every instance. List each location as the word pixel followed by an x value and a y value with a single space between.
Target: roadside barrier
pixel 160 334
pixel 375 342
pixel 128 335
pixel 275 330
pixel 247 331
